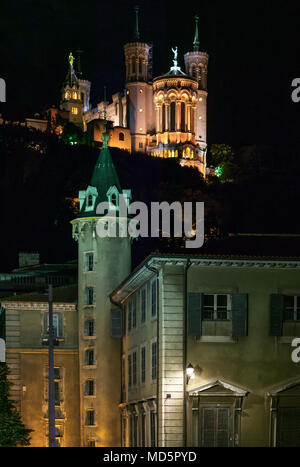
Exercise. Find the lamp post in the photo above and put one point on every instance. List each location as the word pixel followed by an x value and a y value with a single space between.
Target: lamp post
pixel 51 400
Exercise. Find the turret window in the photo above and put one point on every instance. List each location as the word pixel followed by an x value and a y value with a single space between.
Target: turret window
pixel 133 65
pixel 74 95
pixel 121 136
pixel 90 200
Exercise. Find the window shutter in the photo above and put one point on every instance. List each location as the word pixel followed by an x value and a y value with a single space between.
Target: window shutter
pixel 239 306
pixel 46 323
pixel 208 427
pixel 2 322
pixel 60 325
pixel 276 314
pixel 116 323
pixel 194 314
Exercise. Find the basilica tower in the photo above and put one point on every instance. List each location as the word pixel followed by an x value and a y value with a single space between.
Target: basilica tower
pixel 103 263
pixel 140 117
pixel 196 66
pixel 75 97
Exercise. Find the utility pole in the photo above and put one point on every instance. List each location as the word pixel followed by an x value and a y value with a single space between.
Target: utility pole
pixel 51 399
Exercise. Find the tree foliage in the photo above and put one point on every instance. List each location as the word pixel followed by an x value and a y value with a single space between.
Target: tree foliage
pixel 12 430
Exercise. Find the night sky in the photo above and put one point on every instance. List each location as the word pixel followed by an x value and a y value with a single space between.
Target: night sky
pixel 253 49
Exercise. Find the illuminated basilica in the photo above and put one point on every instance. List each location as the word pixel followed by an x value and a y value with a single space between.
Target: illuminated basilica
pixel 163 116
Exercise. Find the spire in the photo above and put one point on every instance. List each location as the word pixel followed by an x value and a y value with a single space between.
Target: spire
pixel 71 77
pixel 196 38
pixel 137 33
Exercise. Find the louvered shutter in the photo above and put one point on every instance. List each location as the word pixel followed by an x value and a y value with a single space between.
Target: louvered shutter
pixel 2 322
pixel 223 427
pixel 239 306
pixel 276 314
pixel 116 323
pixel 208 427
pixel 194 314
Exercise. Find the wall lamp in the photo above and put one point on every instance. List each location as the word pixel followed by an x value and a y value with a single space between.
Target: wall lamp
pixel 190 372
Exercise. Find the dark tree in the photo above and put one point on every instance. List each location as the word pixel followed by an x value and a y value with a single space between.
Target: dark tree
pixel 12 431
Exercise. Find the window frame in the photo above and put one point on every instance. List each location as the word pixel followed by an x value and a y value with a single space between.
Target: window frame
pixel 215 311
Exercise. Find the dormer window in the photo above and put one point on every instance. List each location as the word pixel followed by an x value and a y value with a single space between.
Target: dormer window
pixel 114 199
pixel 90 201
pixel 67 95
pixel 74 95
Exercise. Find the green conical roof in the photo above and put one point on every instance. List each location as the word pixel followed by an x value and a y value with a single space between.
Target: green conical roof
pixel 105 174
pixel 104 177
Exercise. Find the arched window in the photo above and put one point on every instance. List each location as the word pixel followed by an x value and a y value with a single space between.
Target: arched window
pixel 90 200
pixel 114 199
pixel 121 136
pixel 67 95
pixel 172 116
pixel 133 65
pixel 140 65
pixel 163 117
pixel 74 95
pixel 182 116
pixel 194 71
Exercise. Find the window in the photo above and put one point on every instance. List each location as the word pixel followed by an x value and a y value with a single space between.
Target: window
pixel 163 117
pixel 153 298
pixel 90 201
pixel 90 417
pixel 113 199
pixel 143 364
pixel 143 305
pixel 134 312
pixel 89 262
pixel 141 145
pixel 74 95
pixel 129 315
pixel 133 430
pixel 89 357
pixel 134 368
pixel 154 360
pixel 57 324
pixel 67 95
pixel 143 430
pixel 291 306
pixel 216 307
pixel 91 443
pixel 57 373
pixel 57 392
pixel 74 110
pixel 121 136
pixel 140 65
pixel 89 327
pixel 215 427
pixel 90 387
pixel 89 296
pixel 182 116
pixel 172 108
pixel 152 428
pixel 133 64
pixel 129 371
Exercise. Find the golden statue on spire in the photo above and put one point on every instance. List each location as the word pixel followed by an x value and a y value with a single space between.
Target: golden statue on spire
pixel 71 59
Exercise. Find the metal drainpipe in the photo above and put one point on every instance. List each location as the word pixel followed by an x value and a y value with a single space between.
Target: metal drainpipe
pixel 188 264
pixel 118 305
pixel 157 348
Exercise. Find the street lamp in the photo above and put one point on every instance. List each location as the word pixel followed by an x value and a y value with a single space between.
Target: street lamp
pixel 189 372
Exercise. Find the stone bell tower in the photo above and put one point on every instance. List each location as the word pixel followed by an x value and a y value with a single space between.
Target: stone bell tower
pixel 196 66
pixel 138 61
pixel 103 262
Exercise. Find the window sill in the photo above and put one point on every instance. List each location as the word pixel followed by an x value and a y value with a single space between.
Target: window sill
pixel 91 426
pixel 286 339
pixel 220 339
pixel 89 306
pixel 87 396
pixel 89 367
pixel 89 337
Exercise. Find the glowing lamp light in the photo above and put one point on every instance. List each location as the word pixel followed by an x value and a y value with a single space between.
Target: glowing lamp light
pixel 200 118
pixel 200 99
pixel 190 372
pixel 141 110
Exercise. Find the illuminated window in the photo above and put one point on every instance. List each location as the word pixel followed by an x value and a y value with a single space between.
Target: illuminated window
pixel 188 153
pixel 74 110
pixel 176 153
pixel 67 95
pixel 192 155
pixel 74 95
